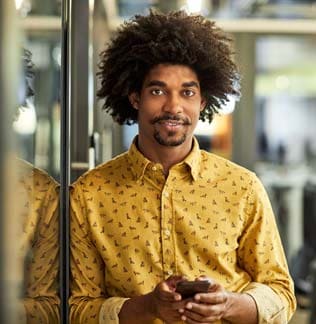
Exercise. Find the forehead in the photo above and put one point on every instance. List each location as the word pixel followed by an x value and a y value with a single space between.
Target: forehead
pixel 171 73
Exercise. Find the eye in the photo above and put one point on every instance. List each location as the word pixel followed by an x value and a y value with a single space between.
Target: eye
pixel 188 93
pixel 157 92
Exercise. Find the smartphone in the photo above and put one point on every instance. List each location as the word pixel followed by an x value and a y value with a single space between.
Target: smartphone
pixel 187 289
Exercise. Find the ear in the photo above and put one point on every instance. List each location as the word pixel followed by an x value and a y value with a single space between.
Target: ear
pixel 134 99
pixel 203 104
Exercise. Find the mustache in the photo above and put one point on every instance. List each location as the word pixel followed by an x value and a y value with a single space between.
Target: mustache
pixel 185 121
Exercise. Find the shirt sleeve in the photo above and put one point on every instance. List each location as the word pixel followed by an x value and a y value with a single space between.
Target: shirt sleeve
pixel 41 302
pixel 110 310
pixel 261 254
pixel 89 302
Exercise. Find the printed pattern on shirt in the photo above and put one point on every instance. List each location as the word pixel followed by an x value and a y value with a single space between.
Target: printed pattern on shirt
pixel 39 250
pixel 132 228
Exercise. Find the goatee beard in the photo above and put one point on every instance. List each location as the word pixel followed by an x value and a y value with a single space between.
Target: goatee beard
pixel 169 141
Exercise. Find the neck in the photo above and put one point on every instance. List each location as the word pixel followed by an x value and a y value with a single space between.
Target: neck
pixel 167 156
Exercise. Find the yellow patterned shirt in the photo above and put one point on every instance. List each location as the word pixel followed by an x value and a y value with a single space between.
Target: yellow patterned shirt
pixel 39 198
pixel 131 228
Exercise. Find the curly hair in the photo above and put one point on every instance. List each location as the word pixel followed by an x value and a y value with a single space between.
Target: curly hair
pixel 173 38
pixel 28 67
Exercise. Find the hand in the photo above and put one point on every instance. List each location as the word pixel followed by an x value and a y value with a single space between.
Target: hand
pixel 206 307
pixel 165 302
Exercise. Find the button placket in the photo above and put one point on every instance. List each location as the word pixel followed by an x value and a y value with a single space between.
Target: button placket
pixel 166 230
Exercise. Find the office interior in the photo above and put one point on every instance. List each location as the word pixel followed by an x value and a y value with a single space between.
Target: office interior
pixel 62 129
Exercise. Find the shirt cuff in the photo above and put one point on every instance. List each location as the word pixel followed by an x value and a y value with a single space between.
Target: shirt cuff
pixel 110 310
pixel 269 305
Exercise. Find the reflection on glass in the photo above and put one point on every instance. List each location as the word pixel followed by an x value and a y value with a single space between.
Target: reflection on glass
pixel 39 244
pixel 36 161
pixel 38 214
pixel 38 7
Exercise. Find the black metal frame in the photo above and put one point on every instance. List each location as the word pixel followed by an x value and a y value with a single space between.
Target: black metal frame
pixel 65 161
pixel 313 300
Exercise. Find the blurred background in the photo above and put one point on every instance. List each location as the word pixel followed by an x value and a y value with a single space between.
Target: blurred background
pixel 270 130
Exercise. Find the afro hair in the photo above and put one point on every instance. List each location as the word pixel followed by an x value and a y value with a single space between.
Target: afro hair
pixel 173 38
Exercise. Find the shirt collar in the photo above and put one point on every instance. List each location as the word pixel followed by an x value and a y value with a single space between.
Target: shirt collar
pixel 139 163
pixel 193 160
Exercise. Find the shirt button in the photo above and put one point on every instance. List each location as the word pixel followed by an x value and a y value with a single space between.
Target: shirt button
pixel 170 272
pixel 166 194
pixel 154 168
pixel 167 232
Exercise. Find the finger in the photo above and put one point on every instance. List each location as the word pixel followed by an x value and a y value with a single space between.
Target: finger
pixel 172 317
pixel 203 313
pixel 166 294
pixel 200 309
pixel 204 310
pixel 214 286
pixel 169 296
pixel 173 280
pixel 178 305
pixel 190 321
pixel 212 298
pixel 163 286
pixel 204 277
pixel 211 319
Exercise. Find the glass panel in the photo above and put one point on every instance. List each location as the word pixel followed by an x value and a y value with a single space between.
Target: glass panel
pixel 35 160
pixel 10 271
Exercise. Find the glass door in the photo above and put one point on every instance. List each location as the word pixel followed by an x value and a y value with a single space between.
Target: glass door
pixel 30 160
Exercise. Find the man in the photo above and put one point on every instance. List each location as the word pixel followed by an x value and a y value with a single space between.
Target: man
pixel 166 211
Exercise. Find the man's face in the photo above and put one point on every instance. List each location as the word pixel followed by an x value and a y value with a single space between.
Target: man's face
pixel 169 105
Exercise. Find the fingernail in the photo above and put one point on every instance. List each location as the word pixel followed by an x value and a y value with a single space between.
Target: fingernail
pixel 197 297
pixel 181 310
pixel 183 318
pixel 188 306
pixel 177 297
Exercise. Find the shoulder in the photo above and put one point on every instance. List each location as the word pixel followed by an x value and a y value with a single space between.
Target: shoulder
pixel 222 167
pixel 35 176
pixel 102 172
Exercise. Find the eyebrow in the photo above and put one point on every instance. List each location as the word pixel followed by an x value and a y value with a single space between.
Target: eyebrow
pixel 163 84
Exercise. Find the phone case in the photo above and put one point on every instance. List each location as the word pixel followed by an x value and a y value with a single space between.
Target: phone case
pixel 188 289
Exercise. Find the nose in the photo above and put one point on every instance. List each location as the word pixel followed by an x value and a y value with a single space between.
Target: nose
pixel 173 104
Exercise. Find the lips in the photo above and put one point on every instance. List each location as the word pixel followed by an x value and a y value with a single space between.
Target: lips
pixel 171 123
pixel 171 120
pixel 172 127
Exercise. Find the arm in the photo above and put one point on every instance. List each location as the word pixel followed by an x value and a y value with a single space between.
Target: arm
pixel 89 301
pixel 261 254
pixel 269 298
pixel 87 289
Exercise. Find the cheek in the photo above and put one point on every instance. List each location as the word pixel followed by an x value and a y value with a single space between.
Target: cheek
pixel 195 114
pixel 149 108
pixel 195 122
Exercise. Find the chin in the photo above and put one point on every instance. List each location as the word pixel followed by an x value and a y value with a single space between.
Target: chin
pixel 171 140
